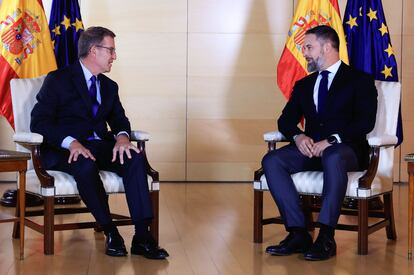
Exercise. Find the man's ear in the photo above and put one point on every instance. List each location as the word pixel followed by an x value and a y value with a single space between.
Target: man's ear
pixel 327 47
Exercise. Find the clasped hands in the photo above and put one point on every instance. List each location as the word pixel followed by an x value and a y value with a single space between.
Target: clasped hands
pixel 122 146
pixel 309 148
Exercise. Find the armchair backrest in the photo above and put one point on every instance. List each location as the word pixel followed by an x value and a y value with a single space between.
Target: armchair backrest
pixel 388 106
pixel 23 94
pixel 386 125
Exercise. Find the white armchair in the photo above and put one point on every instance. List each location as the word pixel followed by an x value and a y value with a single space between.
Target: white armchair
pixel 376 181
pixel 51 184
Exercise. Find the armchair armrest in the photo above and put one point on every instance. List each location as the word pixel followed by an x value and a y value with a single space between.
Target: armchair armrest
pixel 385 140
pixel 28 138
pixel 375 142
pixel 140 136
pixel 32 142
pixel 274 136
pixel 271 138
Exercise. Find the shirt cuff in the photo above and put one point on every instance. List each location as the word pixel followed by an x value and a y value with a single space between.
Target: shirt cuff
pixel 123 133
pixel 67 141
pixel 337 138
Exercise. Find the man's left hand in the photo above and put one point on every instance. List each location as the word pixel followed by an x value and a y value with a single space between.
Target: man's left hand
pixel 319 147
pixel 123 145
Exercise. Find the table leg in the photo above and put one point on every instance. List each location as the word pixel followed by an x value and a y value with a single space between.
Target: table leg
pixel 22 206
pixel 410 208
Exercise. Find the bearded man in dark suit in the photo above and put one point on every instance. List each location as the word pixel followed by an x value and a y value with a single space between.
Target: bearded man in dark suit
pixel 339 105
pixel 75 105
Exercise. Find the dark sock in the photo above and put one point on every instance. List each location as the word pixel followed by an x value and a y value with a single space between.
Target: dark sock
pixel 142 229
pixel 109 228
pixel 295 229
pixel 327 230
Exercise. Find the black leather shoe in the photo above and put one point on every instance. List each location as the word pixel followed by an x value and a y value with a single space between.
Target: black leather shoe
pixel 295 242
pixel 323 249
pixel 148 248
pixel 114 245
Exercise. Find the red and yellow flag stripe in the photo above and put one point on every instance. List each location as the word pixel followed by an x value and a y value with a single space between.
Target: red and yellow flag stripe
pixel 25 46
pixel 308 14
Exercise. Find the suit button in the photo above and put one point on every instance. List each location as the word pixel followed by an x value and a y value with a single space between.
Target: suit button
pixel 320 124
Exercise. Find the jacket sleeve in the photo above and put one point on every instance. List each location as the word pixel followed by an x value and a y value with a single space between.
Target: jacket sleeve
pixel 117 119
pixel 44 113
pixel 291 115
pixel 364 112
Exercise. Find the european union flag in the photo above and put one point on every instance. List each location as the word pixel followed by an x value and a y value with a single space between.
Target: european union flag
pixel 369 43
pixel 65 27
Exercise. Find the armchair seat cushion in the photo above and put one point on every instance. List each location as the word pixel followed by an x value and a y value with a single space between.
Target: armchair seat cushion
pixel 65 184
pixel 311 183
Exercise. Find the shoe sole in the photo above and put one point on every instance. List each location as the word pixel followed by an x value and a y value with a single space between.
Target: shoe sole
pixel 139 253
pixel 287 254
pixel 319 259
pixel 116 254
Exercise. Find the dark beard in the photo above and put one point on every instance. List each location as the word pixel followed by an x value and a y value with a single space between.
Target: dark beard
pixel 312 66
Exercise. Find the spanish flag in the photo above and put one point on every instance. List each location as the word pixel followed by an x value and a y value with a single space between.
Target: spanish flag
pixel 25 48
pixel 308 14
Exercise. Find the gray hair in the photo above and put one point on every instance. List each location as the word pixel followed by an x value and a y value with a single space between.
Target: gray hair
pixel 91 37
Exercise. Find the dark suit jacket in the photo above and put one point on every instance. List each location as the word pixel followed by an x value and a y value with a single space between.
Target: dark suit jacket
pixel 64 108
pixel 351 109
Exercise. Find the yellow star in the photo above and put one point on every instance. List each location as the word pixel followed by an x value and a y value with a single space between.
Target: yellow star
pixel 78 25
pixel 56 30
pixel 66 22
pixel 383 29
pixel 352 22
pixel 387 71
pixel 372 15
pixel 389 50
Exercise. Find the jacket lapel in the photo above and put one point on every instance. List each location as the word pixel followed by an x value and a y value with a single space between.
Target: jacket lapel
pixel 338 80
pixel 104 95
pixel 309 91
pixel 80 84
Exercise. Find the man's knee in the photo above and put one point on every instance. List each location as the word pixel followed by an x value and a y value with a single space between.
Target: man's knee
pixel 333 154
pixel 136 160
pixel 271 159
pixel 83 166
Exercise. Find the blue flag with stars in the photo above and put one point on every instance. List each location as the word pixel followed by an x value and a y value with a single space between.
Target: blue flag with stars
pixel 369 43
pixel 65 28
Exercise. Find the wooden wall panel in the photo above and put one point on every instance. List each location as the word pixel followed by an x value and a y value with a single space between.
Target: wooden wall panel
pixel 233 49
pixel 151 72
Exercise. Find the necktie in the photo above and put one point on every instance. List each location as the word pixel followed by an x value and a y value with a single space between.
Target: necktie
pixel 92 94
pixel 323 92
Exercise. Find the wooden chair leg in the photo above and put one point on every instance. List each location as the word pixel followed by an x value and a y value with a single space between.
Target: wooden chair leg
pixel 154 226
pixel 16 226
pixel 49 222
pixel 258 217
pixel 362 226
pixel 389 215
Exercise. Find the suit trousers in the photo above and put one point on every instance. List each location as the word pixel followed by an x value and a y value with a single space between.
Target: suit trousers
pixel 280 164
pixel 86 174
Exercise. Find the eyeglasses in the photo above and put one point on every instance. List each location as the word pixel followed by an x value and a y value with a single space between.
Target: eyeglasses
pixel 111 50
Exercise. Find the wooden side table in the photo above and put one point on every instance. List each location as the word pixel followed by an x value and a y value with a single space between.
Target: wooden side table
pixel 410 169
pixel 11 161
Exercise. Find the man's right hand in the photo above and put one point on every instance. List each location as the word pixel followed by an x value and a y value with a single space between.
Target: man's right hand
pixel 304 144
pixel 76 149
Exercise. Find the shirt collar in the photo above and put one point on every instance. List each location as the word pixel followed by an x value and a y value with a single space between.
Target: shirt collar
pixel 333 68
pixel 87 74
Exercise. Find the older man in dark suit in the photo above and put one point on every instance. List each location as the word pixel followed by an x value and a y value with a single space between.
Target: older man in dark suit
pixel 339 106
pixel 75 105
